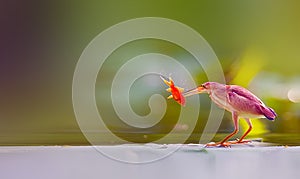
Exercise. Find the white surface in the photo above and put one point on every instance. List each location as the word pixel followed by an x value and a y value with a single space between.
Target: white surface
pixel 189 161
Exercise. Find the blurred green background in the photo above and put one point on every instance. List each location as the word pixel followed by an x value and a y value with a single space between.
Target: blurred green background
pixel 257 43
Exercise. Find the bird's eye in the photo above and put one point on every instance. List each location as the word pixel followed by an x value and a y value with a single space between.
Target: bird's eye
pixel 203 86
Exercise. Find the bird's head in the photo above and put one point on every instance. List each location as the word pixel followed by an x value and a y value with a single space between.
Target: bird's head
pixel 203 88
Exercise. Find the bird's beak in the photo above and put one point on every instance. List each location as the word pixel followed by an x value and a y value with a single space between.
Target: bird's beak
pixel 194 91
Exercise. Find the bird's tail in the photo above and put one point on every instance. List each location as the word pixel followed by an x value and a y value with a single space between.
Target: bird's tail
pixel 269 113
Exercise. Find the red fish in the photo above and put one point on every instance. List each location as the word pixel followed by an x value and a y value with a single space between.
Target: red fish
pixel 176 92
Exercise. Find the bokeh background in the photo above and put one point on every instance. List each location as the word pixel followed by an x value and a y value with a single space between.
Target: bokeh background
pixel 257 43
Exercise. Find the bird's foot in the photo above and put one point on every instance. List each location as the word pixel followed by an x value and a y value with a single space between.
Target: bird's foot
pixel 244 141
pixel 218 144
pixel 227 144
pixel 238 141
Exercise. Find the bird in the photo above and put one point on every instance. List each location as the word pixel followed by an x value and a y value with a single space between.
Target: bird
pixel 237 100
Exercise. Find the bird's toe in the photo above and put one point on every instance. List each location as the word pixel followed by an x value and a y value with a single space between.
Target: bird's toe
pixel 218 144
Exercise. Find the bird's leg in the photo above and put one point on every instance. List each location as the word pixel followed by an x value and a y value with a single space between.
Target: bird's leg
pixel 244 135
pixel 247 132
pixel 223 143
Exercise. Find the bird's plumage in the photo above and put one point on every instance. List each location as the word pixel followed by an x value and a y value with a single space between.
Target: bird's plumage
pixel 244 102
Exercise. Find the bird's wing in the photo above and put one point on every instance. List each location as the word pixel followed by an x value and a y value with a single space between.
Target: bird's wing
pixel 242 100
pixel 244 93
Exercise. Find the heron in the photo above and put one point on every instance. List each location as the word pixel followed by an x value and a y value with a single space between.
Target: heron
pixel 233 98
